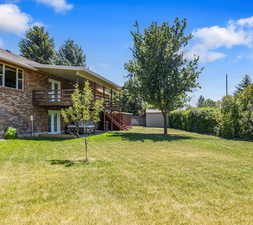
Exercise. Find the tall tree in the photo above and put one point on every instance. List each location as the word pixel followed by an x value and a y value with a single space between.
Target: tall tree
pixel 37 45
pixel 201 101
pixel 70 54
pixel 164 76
pixel 245 82
pixel 210 103
pixel 130 99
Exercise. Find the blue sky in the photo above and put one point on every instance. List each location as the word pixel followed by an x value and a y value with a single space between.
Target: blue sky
pixel 223 32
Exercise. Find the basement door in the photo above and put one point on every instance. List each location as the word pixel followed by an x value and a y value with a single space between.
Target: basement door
pixel 54 122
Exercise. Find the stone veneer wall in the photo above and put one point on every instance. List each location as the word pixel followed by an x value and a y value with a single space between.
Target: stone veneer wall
pixel 16 106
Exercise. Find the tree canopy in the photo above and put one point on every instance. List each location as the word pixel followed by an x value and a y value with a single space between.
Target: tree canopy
pixel 83 108
pixel 131 100
pixel 245 82
pixel 163 75
pixel 70 54
pixel 202 102
pixel 37 45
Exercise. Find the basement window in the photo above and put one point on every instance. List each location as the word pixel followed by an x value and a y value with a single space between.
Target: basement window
pixel 11 77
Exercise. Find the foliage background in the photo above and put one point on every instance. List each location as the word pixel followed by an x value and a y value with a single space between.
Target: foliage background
pixel 233 118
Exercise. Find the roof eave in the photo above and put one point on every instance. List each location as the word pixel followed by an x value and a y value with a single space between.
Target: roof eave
pixel 79 71
pixel 18 64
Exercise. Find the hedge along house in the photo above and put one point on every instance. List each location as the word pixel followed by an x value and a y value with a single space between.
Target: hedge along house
pixel 32 95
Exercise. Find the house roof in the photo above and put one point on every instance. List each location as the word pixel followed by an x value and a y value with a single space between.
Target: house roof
pixel 79 71
pixel 16 59
pixel 60 70
pixel 153 111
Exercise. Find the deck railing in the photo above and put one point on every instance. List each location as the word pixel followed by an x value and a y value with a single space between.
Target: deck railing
pixel 47 97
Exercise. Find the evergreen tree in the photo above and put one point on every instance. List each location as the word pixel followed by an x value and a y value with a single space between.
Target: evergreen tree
pixel 70 54
pixel 245 82
pixel 163 75
pixel 210 103
pixel 201 101
pixel 37 45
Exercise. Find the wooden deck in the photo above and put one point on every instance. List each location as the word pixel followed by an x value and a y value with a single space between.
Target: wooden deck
pixel 62 98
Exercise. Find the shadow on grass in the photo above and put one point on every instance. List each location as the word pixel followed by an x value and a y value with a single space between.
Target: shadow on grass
pixel 53 139
pixel 153 137
pixel 69 163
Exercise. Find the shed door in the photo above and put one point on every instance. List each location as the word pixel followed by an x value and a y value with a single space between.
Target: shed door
pixel 154 120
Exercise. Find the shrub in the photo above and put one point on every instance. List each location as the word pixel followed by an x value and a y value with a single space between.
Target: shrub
pixel 10 133
pixel 246 125
pixel 234 119
pixel 229 118
pixel 245 102
pixel 201 120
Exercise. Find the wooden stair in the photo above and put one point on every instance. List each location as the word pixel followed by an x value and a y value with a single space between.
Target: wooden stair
pixel 119 124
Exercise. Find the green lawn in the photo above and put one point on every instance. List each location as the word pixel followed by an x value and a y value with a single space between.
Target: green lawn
pixel 134 177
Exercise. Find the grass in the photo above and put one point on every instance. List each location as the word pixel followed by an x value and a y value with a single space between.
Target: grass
pixel 135 177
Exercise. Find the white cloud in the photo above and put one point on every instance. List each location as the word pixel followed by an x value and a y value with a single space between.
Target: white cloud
pixel 215 37
pixel 58 5
pixel 12 19
pixel 209 40
pixel 204 54
pixel 245 21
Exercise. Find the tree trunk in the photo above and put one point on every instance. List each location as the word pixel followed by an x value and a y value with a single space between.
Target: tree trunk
pixel 77 129
pixel 86 149
pixel 165 123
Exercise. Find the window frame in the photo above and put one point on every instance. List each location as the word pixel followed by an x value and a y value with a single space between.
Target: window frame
pixel 17 77
pixel 2 75
pixel 22 79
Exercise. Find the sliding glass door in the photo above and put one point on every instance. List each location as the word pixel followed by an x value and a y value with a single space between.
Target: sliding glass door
pixel 54 122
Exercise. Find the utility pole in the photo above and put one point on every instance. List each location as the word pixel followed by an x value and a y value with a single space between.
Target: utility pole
pixel 226 84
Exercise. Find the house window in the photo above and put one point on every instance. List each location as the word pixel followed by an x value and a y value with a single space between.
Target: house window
pixel 20 79
pixel 11 77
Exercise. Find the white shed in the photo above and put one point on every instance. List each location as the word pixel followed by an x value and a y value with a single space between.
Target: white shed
pixel 154 118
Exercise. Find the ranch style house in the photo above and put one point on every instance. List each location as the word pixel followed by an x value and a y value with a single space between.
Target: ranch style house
pixel 32 95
